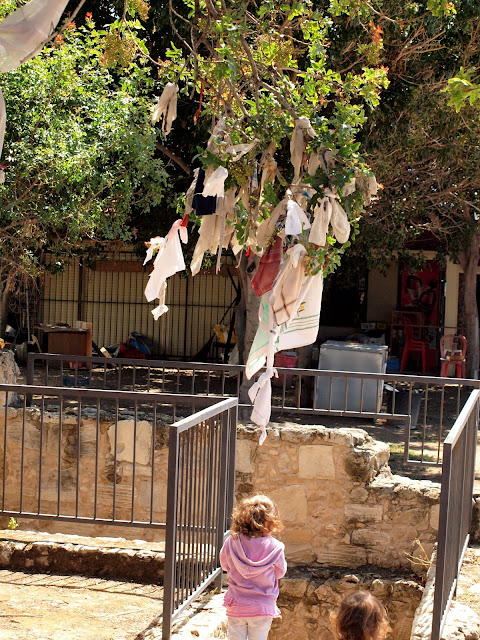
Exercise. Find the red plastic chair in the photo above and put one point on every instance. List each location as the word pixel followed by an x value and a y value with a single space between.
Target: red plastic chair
pixel 453 351
pixel 413 344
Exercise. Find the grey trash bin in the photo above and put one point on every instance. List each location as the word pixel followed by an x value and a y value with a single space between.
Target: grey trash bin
pixel 401 404
pixel 348 356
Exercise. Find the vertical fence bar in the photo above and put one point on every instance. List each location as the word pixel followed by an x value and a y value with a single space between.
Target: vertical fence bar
pixel 77 483
pixel 222 497
pixel 42 422
pixel 22 455
pixel 97 443
pixel 134 462
pixel 4 479
pixel 170 533
pixel 59 474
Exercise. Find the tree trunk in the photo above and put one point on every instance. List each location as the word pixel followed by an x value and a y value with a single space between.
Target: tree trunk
pixel 469 262
pixel 4 302
pixel 246 318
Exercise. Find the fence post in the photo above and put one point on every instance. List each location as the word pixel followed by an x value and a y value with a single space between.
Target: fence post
pixel 170 533
pixel 30 374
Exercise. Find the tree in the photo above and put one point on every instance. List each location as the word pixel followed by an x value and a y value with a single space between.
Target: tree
pixel 426 154
pixel 79 155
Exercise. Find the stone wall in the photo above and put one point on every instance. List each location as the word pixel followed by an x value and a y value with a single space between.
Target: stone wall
pixel 308 599
pixel 340 504
pixel 24 442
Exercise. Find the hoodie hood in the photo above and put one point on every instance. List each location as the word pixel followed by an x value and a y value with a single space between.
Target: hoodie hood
pixel 251 557
pixel 254 566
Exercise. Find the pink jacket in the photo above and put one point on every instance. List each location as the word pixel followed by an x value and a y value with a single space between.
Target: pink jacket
pixel 254 566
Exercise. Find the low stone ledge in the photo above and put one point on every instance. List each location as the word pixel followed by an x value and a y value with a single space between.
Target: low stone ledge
pixel 114 558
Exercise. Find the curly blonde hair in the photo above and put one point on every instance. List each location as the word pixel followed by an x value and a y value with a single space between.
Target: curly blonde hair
pixel 361 616
pixel 256 516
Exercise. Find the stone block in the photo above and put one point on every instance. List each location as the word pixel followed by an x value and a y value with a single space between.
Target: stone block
pixel 291 502
pixel 299 554
pixel 293 587
pixel 341 555
pixel 244 456
pixel 316 461
pixel 371 538
pixel 363 512
pixel 125 441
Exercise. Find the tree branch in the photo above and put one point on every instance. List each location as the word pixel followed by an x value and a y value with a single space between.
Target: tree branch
pixel 183 165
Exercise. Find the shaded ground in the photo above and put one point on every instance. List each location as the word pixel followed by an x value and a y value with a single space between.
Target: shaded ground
pixel 46 607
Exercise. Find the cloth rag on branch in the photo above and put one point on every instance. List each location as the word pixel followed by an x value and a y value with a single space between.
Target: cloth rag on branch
pixel 268 268
pixel 23 32
pixel 169 260
pixel 299 331
pixel 166 107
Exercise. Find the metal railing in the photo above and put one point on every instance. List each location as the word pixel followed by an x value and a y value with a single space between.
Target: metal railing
pixel 98 457
pixel 458 474
pixel 199 505
pixel 430 405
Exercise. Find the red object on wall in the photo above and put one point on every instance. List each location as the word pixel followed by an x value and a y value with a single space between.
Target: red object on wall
pixel 420 292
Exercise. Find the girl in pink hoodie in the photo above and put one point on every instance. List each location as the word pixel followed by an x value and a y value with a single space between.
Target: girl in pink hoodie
pixel 254 561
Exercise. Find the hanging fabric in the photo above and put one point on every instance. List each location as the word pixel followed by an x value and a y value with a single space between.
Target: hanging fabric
pixel 286 289
pixel 204 206
pixel 166 107
pixel 322 214
pixel 297 220
pixel 169 260
pixel 301 136
pixel 215 183
pixel 23 32
pixel 260 393
pixel 268 268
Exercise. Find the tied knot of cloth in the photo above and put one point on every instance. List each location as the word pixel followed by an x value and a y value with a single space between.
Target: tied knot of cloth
pixel 260 394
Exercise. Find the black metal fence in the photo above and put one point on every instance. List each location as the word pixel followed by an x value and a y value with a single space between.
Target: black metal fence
pixel 99 457
pixel 199 504
pixel 428 405
pixel 458 473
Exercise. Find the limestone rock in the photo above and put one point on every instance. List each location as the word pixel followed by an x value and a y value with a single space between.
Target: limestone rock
pixel 462 623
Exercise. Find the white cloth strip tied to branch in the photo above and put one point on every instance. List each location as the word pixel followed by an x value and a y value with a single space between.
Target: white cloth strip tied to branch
pixel 297 220
pixel 215 184
pixel 166 107
pixel 260 393
pixel 301 136
pixel 169 260
pixel 23 31
pixel 339 219
pixel 322 214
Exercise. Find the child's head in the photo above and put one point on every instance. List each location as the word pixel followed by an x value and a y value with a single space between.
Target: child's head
pixel 361 616
pixel 256 517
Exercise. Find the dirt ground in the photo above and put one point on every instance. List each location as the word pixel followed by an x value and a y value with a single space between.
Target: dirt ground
pixel 47 607
pixel 468 589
